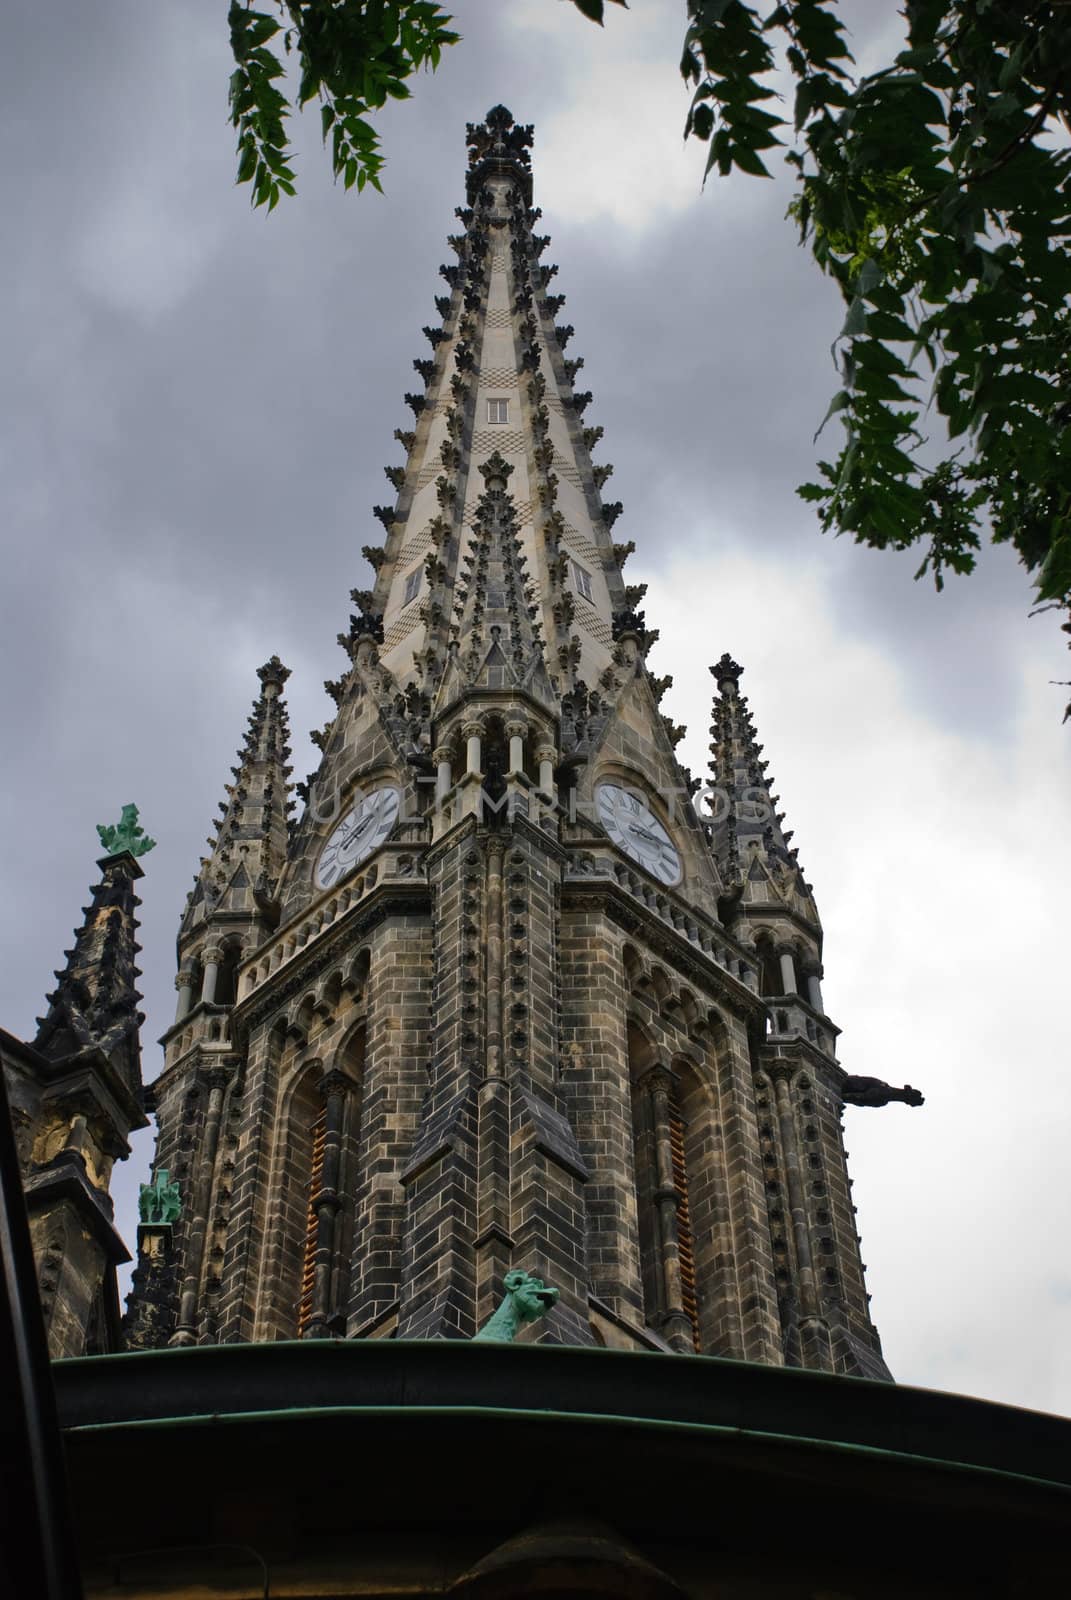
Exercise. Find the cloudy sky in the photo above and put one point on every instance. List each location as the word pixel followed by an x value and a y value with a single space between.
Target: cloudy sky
pixel 198 402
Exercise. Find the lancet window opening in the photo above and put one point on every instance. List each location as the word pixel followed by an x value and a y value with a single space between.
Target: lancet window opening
pixel 227 977
pixel 312 1224
pixel 685 1237
pixel 663 1110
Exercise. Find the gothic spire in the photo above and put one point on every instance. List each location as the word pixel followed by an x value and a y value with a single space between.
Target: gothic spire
pixel 94 1007
pixel 249 846
pixel 496 383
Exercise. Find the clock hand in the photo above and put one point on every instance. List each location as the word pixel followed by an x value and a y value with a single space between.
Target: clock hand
pixel 355 832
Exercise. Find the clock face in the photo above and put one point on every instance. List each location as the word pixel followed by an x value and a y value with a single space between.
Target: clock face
pixel 362 829
pixel 637 830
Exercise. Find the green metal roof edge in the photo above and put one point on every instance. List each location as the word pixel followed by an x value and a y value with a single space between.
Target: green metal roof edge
pixel 601 1419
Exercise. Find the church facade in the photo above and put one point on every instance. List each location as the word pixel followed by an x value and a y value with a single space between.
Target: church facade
pixel 505 995
pixel 509 994
pixel 509 1006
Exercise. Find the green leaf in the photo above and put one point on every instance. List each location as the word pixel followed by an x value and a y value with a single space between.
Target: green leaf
pixel 248 161
pixel 701 122
pixel 856 320
pixel 838 403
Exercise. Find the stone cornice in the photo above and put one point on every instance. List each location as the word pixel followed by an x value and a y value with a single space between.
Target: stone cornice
pixel 389 898
pixel 492 700
pixel 64 1179
pixel 791 1055
pixel 690 961
pixel 771 910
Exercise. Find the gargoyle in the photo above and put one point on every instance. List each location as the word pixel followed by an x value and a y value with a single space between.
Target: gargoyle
pixel 526 1299
pixel 874 1092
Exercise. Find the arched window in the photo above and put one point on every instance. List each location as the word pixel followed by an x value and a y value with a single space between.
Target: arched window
pixel 227 977
pixel 770 979
pixel 495 757
pixel 323 1128
pixel 666 1126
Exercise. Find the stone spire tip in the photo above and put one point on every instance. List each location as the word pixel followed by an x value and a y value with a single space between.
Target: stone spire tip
pixel 273 671
pixel 727 670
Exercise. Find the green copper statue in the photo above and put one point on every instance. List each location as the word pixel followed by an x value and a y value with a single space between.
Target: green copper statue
pixel 527 1299
pixel 125 835
pixel 158 1201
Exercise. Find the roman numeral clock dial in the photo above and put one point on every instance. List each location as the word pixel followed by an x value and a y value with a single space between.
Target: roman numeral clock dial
pixel 362 830
pixel 636 830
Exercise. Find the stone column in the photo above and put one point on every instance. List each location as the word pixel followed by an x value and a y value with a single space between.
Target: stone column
pixel 516 732
pixel 444 776
pixel 200 1200
pixel 814 1332
pixel 472 794
pixel 493 960
pixel 814 990
pixel 788 971
pixel 212 957
pixel 676 1324
pixel 472 732
pixel 545 756
pixel 327 1202
pixel 184 983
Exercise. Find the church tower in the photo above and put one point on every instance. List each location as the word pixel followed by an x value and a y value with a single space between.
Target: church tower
pixel 76 1096
pixel 504 996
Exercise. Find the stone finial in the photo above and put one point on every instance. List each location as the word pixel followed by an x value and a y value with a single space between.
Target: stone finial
pixel 526 1299
pixel 273 671
pixel 125 837
pixel 727 670
pixel 498 146
pixel 159 1202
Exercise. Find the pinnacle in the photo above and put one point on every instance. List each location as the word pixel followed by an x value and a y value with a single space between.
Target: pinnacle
pixel 254 809
pixel 750 828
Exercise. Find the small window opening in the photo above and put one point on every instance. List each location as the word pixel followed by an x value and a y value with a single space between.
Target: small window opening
pixel 582 580
pixel 498 410
pixel 412 586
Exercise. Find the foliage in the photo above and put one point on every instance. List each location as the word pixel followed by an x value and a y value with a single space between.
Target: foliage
pixel 936 192
pixel 352 55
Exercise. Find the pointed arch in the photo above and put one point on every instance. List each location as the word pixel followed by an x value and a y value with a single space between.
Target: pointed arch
pixel 682 1188
pixel 667 1254
pixel 227 975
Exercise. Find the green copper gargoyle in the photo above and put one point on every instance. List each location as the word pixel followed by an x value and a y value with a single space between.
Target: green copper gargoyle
pixel 158 1201
pixel 526 1300
pixel 125 835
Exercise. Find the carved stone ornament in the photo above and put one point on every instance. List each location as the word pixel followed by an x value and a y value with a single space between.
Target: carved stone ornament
pixel 125 837
pixel 159 1202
